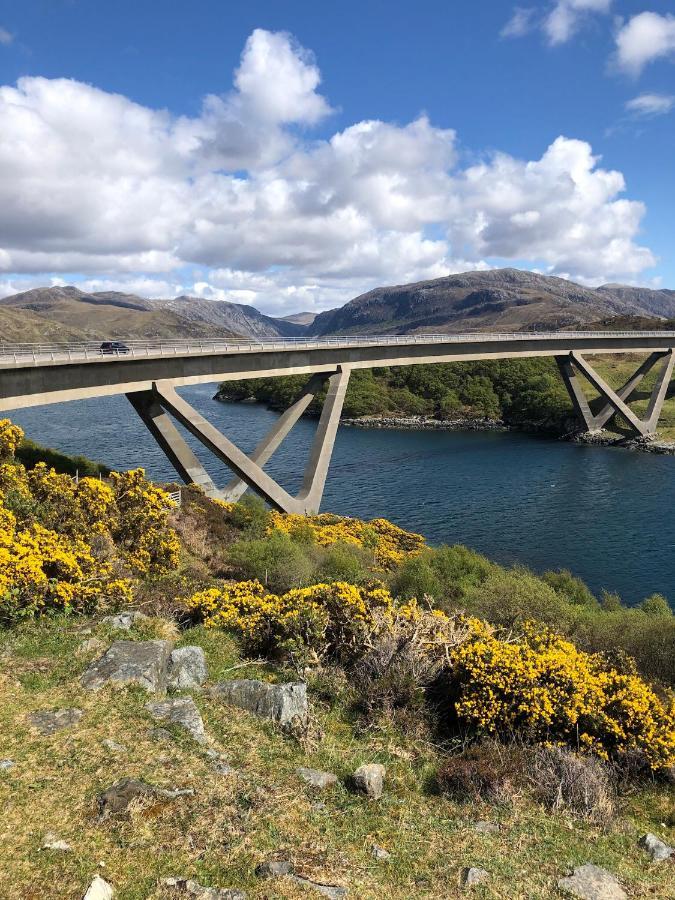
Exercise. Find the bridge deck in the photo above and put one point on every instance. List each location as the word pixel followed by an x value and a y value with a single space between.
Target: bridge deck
pixel 36 374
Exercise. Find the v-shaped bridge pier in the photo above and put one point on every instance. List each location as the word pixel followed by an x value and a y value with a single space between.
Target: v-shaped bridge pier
pixel 155 405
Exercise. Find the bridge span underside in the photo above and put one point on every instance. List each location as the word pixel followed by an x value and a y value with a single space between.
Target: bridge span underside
pixel 149 373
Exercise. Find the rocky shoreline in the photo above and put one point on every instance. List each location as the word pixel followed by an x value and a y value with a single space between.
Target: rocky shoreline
pixel 422 423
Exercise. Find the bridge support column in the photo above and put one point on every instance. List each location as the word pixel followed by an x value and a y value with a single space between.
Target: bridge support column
pixel 171 441
pixel 248 470
pixel 616 401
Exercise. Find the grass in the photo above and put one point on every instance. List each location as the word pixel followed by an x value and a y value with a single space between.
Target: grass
pixel 220 834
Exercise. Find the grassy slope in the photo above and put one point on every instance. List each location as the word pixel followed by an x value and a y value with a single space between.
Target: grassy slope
pixel 231 824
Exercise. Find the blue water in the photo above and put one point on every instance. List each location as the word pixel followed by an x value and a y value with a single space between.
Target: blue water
pixel 604 513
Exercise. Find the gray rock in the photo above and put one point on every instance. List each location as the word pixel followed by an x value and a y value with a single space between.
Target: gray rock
pixel 47 721
pixel 113 746
pixel 99 890
pixel 193 889
pixel 222 767
pixel 131 662
pixel 379 852
pixel 484 827
pixel 182 712
pixel 160 734
pixel 124 621
pixel 52 842
pixel 332 891
pixel 369 780
pixel 473 875
pixel 317 779
pixel 285 704
pixel 115 800
pixel 90 645
pixel 273 868
pixel 187 669
pixel 589 882
pixel 655 847
pixel 6 764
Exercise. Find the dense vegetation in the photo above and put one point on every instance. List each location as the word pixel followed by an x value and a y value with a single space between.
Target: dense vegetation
pixel 475 683
pixel 525 392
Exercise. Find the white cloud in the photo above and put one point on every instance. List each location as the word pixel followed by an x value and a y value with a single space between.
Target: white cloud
pixel 559 23
pixel 648 105
pixel 6 37
pixel 644 38
pixel 94 183
pixel 567 16
pixel 521 22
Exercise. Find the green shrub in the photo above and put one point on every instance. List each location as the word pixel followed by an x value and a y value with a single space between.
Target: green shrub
pixel 276 560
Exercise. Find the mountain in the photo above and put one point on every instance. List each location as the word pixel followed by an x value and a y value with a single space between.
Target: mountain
pixel 497 299
pixel 657 302
pixel 69 314
pixel 301 318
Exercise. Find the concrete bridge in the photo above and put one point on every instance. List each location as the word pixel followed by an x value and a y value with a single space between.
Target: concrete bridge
pixel 150 371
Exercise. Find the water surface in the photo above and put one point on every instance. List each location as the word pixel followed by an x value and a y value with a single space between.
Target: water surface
pixel 603 513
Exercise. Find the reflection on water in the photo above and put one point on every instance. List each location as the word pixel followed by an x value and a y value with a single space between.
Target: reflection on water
pixel 605 514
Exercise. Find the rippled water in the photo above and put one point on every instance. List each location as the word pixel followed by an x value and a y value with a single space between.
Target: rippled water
pixel 603 513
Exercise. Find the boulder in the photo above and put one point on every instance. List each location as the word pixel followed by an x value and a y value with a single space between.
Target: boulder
pixel 115 800
pixel 273 868
pixel 125 620
pixel 589 882
pixel 369 780
pixel 47 721
pixel 192 889
pixel 473 875
pixel 182 712
pixel 187 669
pixel 285 704
pixel 90 645
pixel 99 890
pixel 131 662
pixel 317 779
pixel 655 847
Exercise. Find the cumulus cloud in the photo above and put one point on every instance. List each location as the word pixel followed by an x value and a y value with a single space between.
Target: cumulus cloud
pixel 649 105
pixel 559 23
pixel 644 38
pixel 241 203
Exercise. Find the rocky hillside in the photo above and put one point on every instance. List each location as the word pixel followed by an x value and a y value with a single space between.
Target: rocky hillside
pixel 500 299
pixel 67 313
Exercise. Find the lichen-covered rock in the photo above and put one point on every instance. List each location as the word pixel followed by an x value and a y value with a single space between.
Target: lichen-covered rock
pixel 124 621
pixel 48 721
pixel 285 704
pixel 99 890
pixel 273 868
pixel 53 842
pixel 317 779
pixel 657 849
pixel 332 891
pixel 192 888
pixel 369 780
pixel 473 875
pixel 187 669
pixel 379 853
pixel 484 827
pixel 590 882
pixel 182 712
pixel 6 765
pixel 113 746
pixel 131 662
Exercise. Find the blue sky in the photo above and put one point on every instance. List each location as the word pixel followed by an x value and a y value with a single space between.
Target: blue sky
pixel 312 177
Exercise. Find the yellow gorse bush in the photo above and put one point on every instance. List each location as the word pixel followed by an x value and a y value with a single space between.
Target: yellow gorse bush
pixel 71 545
pixel 389 543
pixel 546 689
pixel 323 619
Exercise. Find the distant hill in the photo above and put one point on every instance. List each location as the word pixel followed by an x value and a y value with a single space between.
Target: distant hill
pixel 498 299
pixel 301 318
pixel 69 314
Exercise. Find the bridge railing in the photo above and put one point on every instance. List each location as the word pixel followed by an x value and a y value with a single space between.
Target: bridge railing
pixel 93 350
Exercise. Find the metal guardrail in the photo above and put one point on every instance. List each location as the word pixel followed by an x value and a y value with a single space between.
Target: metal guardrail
pixel 19 353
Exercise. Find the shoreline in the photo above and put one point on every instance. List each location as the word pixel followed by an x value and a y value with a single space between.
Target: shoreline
pixel 426 423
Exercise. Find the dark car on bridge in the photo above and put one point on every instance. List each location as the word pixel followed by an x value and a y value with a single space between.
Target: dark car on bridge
pixel 113 347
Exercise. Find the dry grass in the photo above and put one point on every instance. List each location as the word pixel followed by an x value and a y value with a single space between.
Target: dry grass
pixel 231 824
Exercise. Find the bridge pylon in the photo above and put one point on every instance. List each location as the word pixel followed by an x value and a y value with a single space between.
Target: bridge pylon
pixel 155 405
pixel 617 401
